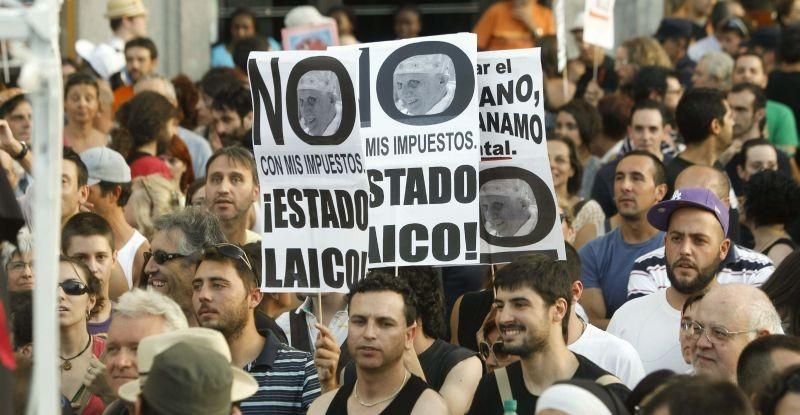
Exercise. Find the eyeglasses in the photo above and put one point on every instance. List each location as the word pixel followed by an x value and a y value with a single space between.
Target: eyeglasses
pixel 161 257
pixel 73 287
pixel 496 349
pixel 230 251
pixel 715 335
pixel 18 266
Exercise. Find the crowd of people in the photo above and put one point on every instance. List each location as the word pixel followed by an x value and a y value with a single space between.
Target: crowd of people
pixel 675 169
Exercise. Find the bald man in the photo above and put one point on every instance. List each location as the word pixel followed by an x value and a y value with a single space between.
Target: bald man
pixel 741 265
pixel 726 320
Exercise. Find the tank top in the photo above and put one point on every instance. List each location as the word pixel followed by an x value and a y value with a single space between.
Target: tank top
pixel 127 254
pixel 402 404
pixel 785 241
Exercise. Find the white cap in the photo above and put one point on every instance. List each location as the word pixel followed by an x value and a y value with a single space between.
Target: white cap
pixel 431 64
pixel 577 24
pixel 103 58
pixel 304 16
pixel 106 165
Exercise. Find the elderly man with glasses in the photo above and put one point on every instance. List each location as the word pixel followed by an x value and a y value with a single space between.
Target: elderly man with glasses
pixel 726 320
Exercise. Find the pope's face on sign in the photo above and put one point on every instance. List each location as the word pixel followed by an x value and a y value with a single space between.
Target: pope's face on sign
pixel 504 213
pixel 419 92
pixel 317 109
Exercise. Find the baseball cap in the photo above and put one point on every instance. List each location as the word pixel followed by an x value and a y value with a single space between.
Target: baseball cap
pixel 705 199
pixel 106 165
pixel 188 371
pixel 577 24
pixel 735 24
pixel 122 8
pixel 104 59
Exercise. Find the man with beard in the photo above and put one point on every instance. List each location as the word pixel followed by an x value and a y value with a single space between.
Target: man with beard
pixel 423 85
pixel 232 115
pixel 380 334
pixel 508 207
pixel 170 264
pixel 231 189
pixel 695 222
pixel 533 303
pixel 318 102
pixel 649 272
pixel 226 292
pixel 607 261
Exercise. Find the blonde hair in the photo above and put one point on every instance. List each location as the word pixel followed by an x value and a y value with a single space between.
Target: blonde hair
pixel 151 197
pixel 646 51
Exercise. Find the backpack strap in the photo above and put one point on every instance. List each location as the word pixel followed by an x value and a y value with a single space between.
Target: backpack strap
pixel 503 385
pixel 607 379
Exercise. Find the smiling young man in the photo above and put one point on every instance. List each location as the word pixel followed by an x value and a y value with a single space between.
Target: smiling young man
pixel 380 332
pixel 231 189
pixel 226 293
pixel 533 304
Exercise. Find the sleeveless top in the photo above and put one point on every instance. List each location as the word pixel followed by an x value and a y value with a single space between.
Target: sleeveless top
pixel 402 404
pixel 127 254
pixel 473 309
pixel 784 241
pixel 436 362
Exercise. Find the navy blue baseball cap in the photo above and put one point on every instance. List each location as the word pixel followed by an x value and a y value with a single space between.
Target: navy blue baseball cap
pixel 705 199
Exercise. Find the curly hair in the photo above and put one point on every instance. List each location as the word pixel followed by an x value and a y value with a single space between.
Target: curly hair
pixel 429 295
pixel 379 280
pixel 646 51
pixel 771 198
pixel 574 182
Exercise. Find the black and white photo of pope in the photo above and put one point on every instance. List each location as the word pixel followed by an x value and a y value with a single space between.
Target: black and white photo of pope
pixel 319 102
pixel 508 207
pixel 424 84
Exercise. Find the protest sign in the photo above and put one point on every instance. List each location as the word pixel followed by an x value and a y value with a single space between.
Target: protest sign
pixel 311 170
pixel 598 26
pixel 419 110
pixel 316 37
pixel 517 198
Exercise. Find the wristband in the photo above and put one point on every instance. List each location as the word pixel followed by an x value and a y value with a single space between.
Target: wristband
pixel 22 153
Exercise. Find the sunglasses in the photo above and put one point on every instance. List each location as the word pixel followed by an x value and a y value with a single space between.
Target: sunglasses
pixel 73 287
pixel 496 349
pixel 229 251
pixel 161 257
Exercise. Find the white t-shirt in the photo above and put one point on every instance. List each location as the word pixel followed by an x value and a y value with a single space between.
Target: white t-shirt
pixel 652 327
pixel 611 353
pixel 127 254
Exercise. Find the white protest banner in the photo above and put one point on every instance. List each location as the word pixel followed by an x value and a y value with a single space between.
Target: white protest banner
pixel 311 168
pixel 419 121
pixel 598 26
pixel 518 202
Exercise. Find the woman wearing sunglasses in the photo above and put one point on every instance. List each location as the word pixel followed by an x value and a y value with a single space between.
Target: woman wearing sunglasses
pixel 78 294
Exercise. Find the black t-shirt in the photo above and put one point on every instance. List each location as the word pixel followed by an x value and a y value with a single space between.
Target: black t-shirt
pixel 487 397
pixel 436 362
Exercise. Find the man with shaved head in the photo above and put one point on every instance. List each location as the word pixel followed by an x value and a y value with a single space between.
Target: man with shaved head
pixel 741 265
pixel 726 320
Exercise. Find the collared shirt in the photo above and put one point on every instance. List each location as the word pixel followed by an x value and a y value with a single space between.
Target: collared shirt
pixel 743 266
pixel 287 380
pixel 338 325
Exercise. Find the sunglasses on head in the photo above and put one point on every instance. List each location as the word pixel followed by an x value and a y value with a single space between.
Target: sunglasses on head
pixel 161 257
pixel 229 251
pixel 496 349
pixel 73 287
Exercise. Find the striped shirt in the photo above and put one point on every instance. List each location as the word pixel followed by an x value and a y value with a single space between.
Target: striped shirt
pixel 743 266
pixel 287 380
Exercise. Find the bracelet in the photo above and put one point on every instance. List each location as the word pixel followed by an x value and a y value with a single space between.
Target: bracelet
pixel 22 153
